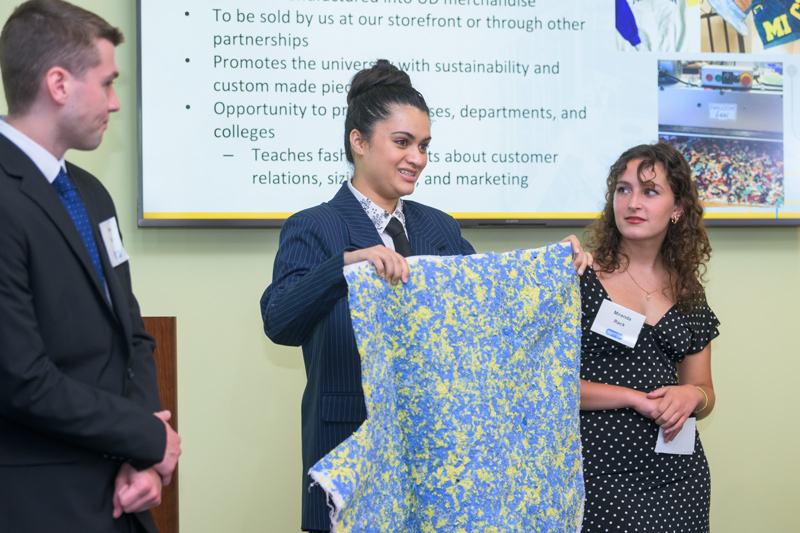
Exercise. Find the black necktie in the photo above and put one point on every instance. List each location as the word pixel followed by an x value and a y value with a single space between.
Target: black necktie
pixel 398 235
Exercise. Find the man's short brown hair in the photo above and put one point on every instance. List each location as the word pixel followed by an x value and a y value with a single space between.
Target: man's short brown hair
pixel 42 34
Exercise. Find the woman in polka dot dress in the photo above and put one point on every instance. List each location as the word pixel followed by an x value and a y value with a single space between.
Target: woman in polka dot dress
pixel 650 249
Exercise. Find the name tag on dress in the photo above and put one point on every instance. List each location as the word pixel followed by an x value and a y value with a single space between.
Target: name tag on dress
pixel 113 241
pixel 618 323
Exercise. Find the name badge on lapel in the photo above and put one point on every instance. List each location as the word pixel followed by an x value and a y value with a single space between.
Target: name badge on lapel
pixel 111 238
pixel 618 323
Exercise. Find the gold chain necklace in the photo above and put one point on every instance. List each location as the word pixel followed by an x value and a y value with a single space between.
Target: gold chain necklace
pixel 646 292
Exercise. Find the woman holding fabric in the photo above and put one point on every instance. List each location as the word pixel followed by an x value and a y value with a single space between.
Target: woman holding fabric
pixel 650 249
pixel 387 132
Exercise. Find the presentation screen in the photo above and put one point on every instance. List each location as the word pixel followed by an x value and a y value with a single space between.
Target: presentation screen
pixel 242 103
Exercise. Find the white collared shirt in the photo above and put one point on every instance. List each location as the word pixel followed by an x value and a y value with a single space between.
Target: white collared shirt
pixel 46 162
pixel 379 216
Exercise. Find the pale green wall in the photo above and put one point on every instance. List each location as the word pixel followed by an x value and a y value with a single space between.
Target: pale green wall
pixel 239 395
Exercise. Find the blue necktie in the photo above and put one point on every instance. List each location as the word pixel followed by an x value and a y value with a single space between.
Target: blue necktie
pixel 74 204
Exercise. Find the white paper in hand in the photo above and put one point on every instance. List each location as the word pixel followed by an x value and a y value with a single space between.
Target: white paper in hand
pixel 682 444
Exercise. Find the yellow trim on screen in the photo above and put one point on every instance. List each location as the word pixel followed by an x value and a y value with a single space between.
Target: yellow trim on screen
pixel 506 216
pixel 484 216
pixel 214 216
pixel 761 216
pixel 277 216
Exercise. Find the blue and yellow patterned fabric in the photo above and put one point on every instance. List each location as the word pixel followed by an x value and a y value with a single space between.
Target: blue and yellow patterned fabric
pixel 471 378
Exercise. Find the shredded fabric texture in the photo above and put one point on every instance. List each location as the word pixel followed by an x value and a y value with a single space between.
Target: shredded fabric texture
pixel 471 379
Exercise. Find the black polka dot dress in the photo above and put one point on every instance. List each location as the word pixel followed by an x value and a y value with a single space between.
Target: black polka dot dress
pixel 630 487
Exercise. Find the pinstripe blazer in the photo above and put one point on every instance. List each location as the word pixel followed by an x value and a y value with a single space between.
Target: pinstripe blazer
pixel 306 306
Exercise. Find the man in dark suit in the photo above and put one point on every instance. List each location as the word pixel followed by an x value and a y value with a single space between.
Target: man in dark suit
pixel 306 304
pixel 84 445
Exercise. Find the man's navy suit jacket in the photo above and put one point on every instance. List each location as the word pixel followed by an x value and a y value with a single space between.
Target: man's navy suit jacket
pixel 306 305
pixel 77 376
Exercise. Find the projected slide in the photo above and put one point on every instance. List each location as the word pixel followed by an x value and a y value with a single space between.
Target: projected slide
pixel 243 105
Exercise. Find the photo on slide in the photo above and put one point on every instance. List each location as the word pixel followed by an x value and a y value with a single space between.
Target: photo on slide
pixel 657 25
pixel 727 119
pixel 750 26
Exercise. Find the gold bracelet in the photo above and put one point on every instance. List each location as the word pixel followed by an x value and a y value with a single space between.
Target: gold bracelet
pixel 706 397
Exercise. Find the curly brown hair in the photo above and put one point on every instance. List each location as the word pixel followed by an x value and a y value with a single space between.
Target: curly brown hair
pixel 685 249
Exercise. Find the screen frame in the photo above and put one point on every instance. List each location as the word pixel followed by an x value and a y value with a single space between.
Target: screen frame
pixel 277 222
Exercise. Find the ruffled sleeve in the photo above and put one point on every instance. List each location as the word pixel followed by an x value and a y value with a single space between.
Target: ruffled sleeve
pixel 679 335
pixel 703 324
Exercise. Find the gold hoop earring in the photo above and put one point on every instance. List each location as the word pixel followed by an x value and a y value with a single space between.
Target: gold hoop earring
pixel 674 218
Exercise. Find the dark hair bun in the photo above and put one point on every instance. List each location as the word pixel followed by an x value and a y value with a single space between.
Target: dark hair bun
pixel 381 73
pixel 374 92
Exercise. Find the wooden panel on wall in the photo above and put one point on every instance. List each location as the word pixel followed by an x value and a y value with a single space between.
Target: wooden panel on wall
pixel 163 330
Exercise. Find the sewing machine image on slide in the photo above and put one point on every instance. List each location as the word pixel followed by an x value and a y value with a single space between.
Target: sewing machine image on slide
pixel 727 119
